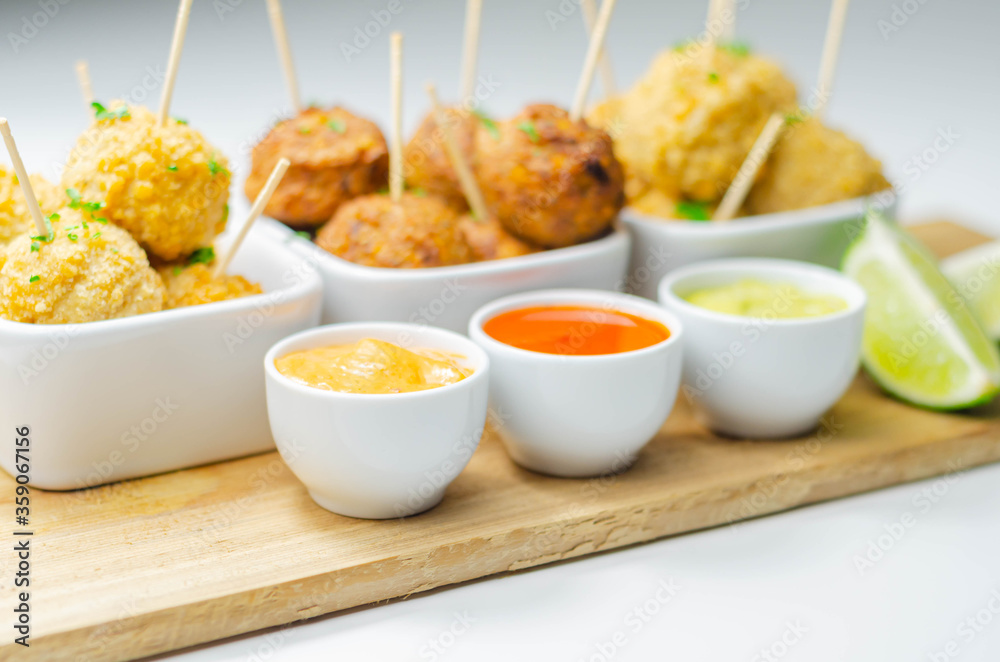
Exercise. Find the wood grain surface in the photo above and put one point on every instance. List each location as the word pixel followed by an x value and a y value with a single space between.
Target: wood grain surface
pixel 157 564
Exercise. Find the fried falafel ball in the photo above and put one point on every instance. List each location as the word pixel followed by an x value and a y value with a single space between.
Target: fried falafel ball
pixel 15 219
pixel 426 161
pixel 549 180
pixel 490 240
pixel 814 165
pixel 335 156
pixel 87 272
pixel 166 184
pixel 194 284
pixel 686 126
pixel 416 232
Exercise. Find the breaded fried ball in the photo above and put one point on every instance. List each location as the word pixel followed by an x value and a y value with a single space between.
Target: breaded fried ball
pixel 15 219
pixel 166 185
pixel 88 272
pixel 416 232
pixel 335 156
pixel 490 240
pixel 426 162
pixel 193 285
pixel 814 165
pixel 549 180
pixel 687 125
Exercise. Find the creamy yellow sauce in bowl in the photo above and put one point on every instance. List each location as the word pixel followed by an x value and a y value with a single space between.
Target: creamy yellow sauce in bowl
pixel 371 366
pixel 750 297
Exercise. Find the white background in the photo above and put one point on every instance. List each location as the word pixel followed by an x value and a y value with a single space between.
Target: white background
pixel 737 588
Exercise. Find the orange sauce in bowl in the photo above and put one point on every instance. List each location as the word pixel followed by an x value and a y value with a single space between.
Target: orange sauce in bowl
pixel 574 330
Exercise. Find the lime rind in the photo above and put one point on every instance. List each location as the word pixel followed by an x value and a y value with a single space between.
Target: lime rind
pixel 922 344
pixel 975 274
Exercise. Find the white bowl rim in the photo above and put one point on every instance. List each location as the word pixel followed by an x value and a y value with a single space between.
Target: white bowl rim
pixel 308 282
pixel 793 271
pixel 750 224
pixel 471 350
pixel 569 296
pixel 618 235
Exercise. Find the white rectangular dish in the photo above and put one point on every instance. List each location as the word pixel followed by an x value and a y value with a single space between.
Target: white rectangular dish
pixel 107 401
pixel 818 234
pixel 447 297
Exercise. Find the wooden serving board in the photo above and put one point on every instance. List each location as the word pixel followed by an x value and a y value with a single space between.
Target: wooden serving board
pixel 158 564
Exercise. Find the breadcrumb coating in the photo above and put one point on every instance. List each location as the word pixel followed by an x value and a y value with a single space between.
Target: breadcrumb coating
pixel 415 232
pixel 814 165
pixel 193 285
pixel 686 126
pixel 166 185
pixel 14 216
pixel 89 271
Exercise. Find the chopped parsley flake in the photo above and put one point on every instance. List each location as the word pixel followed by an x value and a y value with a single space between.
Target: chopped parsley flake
pixel 735 48
pixel 793 118
pixel 529 129
pixel 337 125
pixel 713 77
pixel 77 203
pixel 34 279
pixel 35 246
pixel 490 125
pixel 177 270
pixel 96 235
pixel 305 130
pixel 225 212
pixel 303 234
pixel 215 168
pixel 102 113
pixel 172 168
pixel 692 211
pixel 71 236
pixel 419 192
pixel 204 255
pixel 180 121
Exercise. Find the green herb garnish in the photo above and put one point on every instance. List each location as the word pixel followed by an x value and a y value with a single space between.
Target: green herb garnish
pixel 792 119
pixel 204 255
pixel 692 211
pixel 490 125
pixel 419 192
pixel 177 270
pixel 35 246
pixel 33 279
pixel 77 203
pixel 225 212
pixel 305 130
pixel 713 77
pixel 180 121
pixel 337 125
pixel 172 168
pixel 215 168
pixel 71 236
pixel 735 48
pixel 102 113
pixel 303 234
pixel 96 235
pixel 529 128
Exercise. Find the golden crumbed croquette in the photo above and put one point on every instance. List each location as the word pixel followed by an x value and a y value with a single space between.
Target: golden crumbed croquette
pixel 489 240
pixel 15 219
pixel 88 272
pixel 335 156
pixel 193 285
pixel 814 165
pixel 549 180
pixel 687 125
pixel 166 185
pixel 416 232
pixel 426 162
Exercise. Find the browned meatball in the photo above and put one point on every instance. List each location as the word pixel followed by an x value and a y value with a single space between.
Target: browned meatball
pixel 549 180
pixel 426 162
pixel 490 240
pixel 417 231
pixel 335 156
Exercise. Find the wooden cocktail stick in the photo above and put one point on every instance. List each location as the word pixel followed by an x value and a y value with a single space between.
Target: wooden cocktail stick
pixel 255 211
pixel 590 63
pixel 277 18
pixel 176 46
pixel 22 178
pixel 831 51
pixel 738 190
pixel 86 91
pixel 470 49
pixel 607 71
pixel 459 163
pixel 396 132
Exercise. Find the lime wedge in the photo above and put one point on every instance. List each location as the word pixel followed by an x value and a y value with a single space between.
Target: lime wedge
pixel 975 273
pixel 921 342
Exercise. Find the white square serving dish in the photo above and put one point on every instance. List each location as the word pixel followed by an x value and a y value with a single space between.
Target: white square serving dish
pixel 446 297
pixel 117 399
pixel 818 234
